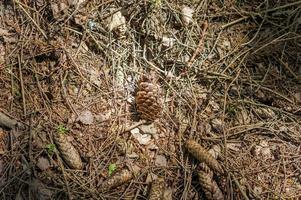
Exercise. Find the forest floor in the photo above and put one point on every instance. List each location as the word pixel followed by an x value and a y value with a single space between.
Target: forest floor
pixel 229 75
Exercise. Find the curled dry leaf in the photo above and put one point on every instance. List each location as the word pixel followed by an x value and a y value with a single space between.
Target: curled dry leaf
pixel 187 14
pixel 148 99
pixel 143 139
pixel 86 117
pixel 202 155
pixel 40 190
pixel 43 163
pixel 117 23
pixel 57 8
pixel 161 161
pixel 209 186
pixel 167 42
pixel 117 179
pixel 68 152
pixel 157 189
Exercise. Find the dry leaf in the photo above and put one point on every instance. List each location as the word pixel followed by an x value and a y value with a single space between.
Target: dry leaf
pixel 40 190
pixel 68 152
pixel 86 117
pixel 143 139
pixel 161 161
pixel 187 14
pixel 4 32
pixel 117 23
pixel 43 163
pixel 202 155
pixel 167 42
pixel 148 129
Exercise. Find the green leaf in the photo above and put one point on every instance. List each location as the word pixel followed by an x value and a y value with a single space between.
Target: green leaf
pixel 62 129
pixel 50 148
pixel 112 168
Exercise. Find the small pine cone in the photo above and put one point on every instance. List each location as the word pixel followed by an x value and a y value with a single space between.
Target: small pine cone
pixel 209 186
pixel 119 178
pixel 148 99
pixel 68 152
pixel 202 155
pixel 157 190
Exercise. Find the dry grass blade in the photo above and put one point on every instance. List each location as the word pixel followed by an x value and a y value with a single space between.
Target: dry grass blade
pixel 209 186
pixel 157 189
pixel 68 151
pixel 203 155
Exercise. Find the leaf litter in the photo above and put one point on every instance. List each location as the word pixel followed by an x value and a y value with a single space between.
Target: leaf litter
pixel 228 78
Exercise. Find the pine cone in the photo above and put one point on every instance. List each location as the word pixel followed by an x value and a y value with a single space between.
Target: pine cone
pixel 148 100
pixel 209 186
pixel 202 155
pixel 117 179
pixel 157 189
pixel 68 151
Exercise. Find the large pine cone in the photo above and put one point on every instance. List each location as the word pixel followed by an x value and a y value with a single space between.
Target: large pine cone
pixel 148 99
pixel 68 151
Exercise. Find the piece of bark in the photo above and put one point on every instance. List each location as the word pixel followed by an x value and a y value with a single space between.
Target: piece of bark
pixel 7 122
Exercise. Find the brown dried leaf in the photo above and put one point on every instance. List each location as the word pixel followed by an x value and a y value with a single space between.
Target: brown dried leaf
pixel 209 186
pixel 43 163
pixel 203 155
pixel 68 152
pixel 157 189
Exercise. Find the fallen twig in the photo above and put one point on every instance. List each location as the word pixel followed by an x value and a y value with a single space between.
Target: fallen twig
pixel 7 122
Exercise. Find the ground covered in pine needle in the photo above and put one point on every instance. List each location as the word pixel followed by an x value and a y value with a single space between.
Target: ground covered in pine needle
pixel 223 99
